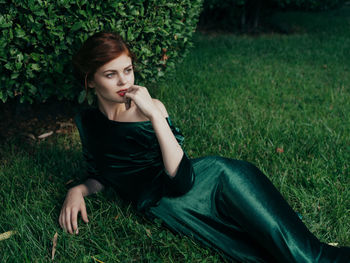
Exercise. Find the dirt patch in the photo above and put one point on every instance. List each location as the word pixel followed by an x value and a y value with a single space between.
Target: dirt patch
pixel 35 120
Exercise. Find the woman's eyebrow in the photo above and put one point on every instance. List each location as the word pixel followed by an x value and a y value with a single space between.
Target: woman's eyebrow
pixel 113 70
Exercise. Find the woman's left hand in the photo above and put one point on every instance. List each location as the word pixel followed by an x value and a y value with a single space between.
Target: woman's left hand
pixel 142 99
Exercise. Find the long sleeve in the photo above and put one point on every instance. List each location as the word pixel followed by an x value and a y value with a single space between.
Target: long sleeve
pixel 91 171
pixel 90 167
pixel 127 156
pixel 182 182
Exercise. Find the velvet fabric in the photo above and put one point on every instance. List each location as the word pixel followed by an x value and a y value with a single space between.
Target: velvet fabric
pixel 226 204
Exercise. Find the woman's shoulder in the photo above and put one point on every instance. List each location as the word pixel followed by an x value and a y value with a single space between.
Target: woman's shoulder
pixel 161 107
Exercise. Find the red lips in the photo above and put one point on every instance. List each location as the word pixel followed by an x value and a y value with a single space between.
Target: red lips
pixel 122 92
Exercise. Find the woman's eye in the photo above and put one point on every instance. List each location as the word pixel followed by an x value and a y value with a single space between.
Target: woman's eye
pixel 109 75
pixel 128 70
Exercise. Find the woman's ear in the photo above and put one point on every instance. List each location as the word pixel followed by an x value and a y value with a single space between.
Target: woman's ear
pixel 91 84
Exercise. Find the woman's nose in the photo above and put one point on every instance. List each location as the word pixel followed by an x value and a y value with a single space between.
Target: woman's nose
pixel 121 80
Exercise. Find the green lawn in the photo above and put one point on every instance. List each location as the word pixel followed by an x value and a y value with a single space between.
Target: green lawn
pixel 236 96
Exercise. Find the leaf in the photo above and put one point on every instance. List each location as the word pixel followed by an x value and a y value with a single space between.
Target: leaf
pixel 3 96
pixel 61 131
pixel 135 12
pixel 76 26
pixel 130 35
pixel 69 181
pixel 279 150
pixel 40 12
pixel 333 244
pixel 160 74
pixel 14 75
pixel 30 136
pixel 165 57
pixel 7 235
pixel 44 135
pixel 20 32
pixel 32 89
pixel 54 244
pixel 36 67
pixel 90 98
pixel 82 96
pixel 35 56
pixel 65 124
pixel 8 66
pixel 148 233
pixel 149 30
pixel 4 23
pixel 99 261
pixel 18 65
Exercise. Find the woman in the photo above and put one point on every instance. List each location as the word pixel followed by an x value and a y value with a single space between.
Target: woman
pixel 130 143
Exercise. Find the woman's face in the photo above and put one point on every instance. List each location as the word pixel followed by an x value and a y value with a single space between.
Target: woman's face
pixel 113 79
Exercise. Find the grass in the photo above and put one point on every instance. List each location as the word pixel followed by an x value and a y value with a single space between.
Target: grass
pixel 236 96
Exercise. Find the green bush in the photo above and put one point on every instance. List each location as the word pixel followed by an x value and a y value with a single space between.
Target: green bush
pixel 234 14
pixel 300 4
pixel 39 37
pixel 224 14
pixel 309 4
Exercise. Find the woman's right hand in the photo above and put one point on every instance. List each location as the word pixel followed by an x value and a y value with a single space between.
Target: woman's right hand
pixel 143 100
pixel 73 204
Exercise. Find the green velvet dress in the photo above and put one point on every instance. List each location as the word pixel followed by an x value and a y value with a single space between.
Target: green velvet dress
pixel 226 204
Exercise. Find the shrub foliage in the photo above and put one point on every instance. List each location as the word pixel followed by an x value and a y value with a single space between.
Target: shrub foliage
pixel 309 4
pixel 245 14
pixel 38 39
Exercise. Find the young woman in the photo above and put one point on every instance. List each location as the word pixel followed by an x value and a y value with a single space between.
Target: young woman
pixel 130 143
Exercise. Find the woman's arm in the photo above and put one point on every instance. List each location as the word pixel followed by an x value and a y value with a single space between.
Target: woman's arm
pixel 74 203
pixel 91 186
pixel 155 111
pixel 171 150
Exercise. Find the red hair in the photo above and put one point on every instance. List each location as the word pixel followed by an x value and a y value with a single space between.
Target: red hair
pixel 98 50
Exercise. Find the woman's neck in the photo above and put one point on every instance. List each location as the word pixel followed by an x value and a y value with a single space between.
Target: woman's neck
pixel 113 110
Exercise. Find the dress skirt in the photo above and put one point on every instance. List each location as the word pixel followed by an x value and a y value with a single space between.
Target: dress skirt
pixel 234 208
pixel 226 204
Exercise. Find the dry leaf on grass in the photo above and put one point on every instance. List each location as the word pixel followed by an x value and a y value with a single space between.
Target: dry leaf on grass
pixel 279 150
pixel 333 244
pixel 61 131
pixel 7 235
pixel 30 136
pixel 69 181
pixel 44 135
pixel 54 244
pixel 64 124
pixel 99 261
pixel 148 233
